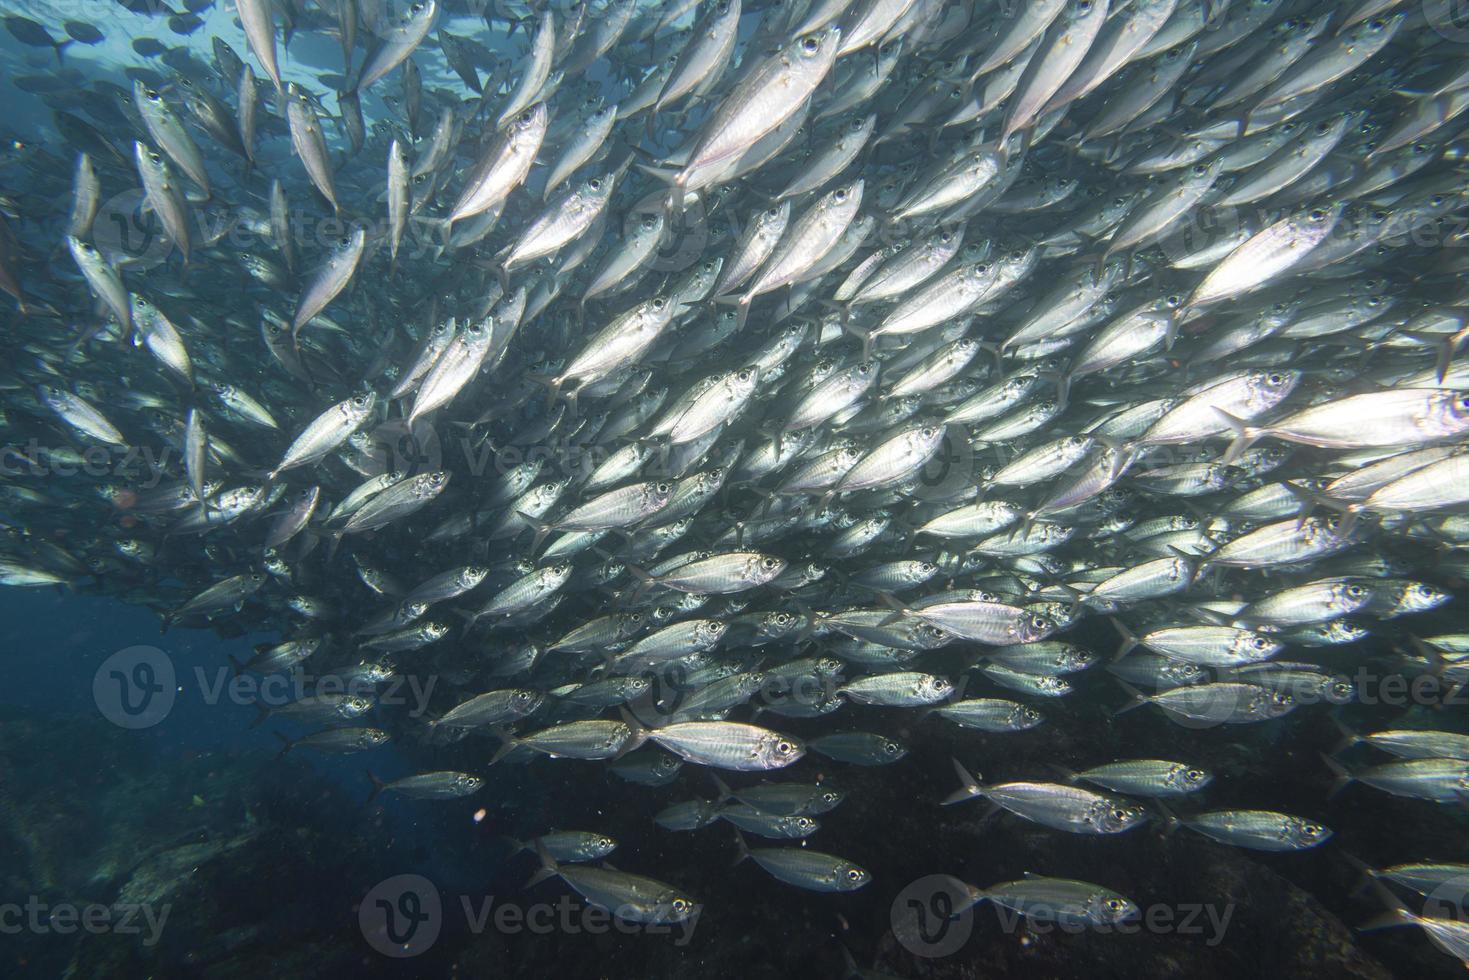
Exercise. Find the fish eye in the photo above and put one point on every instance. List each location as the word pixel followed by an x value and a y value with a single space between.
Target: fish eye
pixel 892 748
pixel 854 874
pixel 595 184
pixel 663 488
pixel 784 748
pixel 360 401
pixel 1357 591
pixel 1200 170
pixel 810 45
pixel 840 196
pixel 659 303
pixel 770 563
pixel 1317 214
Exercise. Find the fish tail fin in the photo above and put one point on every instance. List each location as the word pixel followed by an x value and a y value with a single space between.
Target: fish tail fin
pixel 377 788
pixel 286 744
pixel 1446 353
pixel 1349 736
pixel 1245 436
pixel 896 605
pixel 1170 819
pixel 646 583
pixel 863 334
pixel 1138 699
pixel 969 787
pixel 334 541
pixel 509 743
pixel 549 868
pixel 741 303
pixel 1343 777
pixel 1397 913
pixel 844 309
pixel 1061 772
pixel 1368 873
pixel 809 626
pixel 1129 640
pixel 542 529
pixel 725 793
pixel 60 47
pixel 743 848
pixel 262 712
pixel 551 383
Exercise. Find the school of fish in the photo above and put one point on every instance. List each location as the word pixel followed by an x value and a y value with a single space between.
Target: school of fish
pixel 682 383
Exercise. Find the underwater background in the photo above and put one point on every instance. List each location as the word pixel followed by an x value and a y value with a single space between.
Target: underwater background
pixel 156 820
